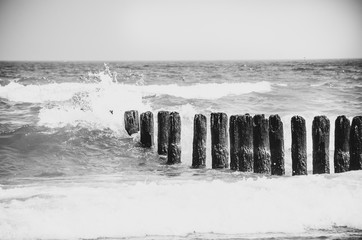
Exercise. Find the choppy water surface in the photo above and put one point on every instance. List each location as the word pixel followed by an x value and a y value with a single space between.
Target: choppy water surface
pixel 68 169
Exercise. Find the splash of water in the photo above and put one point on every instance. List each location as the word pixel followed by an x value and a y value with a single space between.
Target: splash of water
pixel 101 99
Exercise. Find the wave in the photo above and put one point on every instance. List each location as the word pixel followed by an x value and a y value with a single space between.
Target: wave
pixel 65 91
pixel 103 103
pixel 208 90
pixel 303 69
pixel 104 207
pixel 42 93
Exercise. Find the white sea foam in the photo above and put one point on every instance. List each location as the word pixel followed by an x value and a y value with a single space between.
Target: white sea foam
pixel 101 104
pixel 105 207
pixel 65 91
pixel 207 91
pixel 42 93
pixel 99 108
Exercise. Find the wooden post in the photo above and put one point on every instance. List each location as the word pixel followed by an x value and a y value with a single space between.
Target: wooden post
pixel 147 129
pixel 241 143
pixel 131 122
pixel 262 162
pixel 320 136
pixel 174 143
pixel 341 144
pixel 163 121
pixel 299 146
pixel 276 139
pixel 219 140
pixel 246 154
pixel 234 142
pixel 355 146
pixel 199 142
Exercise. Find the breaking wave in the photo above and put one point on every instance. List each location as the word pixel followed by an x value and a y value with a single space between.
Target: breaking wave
pixel 65 91
pixel 105 207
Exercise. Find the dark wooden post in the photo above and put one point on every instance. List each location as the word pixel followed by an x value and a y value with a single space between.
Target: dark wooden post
pixel 241 143
pixel 234 142
pixel 355 146
pixel 147 129
pixel 320 136
pixel 219 140
pixel 276 139
pixel 262 162
pixel 199 142
pixel 163 123
pixel 299 146
pixel 246 154
pixel 341 144
pixel 174 143
pixel 131 122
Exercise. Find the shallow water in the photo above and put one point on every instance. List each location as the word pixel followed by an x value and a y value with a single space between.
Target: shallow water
pixel 68 169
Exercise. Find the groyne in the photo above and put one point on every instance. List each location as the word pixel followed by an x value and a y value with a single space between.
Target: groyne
pixel 253 143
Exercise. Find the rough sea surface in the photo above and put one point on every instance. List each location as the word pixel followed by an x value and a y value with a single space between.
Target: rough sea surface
pixel 69 170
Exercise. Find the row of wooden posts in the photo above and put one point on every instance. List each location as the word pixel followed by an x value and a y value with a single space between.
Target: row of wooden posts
pixel 256 143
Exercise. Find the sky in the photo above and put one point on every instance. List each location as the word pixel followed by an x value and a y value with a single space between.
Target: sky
pixel 132 30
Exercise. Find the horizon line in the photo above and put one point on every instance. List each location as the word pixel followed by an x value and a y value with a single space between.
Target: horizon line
pixel 185 60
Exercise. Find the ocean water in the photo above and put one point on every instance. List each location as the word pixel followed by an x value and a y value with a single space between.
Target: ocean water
pixel 69 170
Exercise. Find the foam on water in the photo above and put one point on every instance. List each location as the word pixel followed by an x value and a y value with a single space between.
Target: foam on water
pixel 65 91
pixel 99 108
pixel 106 207
pixel 208 90
pixel 101 104
pixel 42 93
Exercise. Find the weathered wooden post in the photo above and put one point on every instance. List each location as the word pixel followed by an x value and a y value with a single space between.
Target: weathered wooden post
pixel 147 129
pixel 163 123
pixel 299 146
pixel 355 146
pixel 341 144
pixel 246 154
pixel 199 142
pixel 174 142
pixel 262 162
pixel 320 136
pixel 234 142
pixel 219 140
pixel 276 139
pixel 131 122
pixel 241 143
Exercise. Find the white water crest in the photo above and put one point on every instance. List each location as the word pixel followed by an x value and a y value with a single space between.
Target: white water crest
pixel 65 91
pixel 103 206
pixel 206 90
pixel 101 103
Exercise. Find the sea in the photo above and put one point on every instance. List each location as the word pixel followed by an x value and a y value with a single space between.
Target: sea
pixel 69 170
